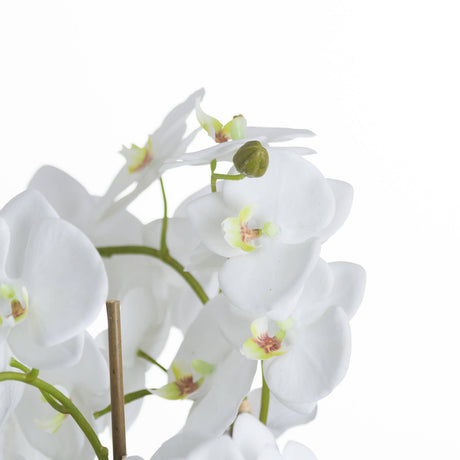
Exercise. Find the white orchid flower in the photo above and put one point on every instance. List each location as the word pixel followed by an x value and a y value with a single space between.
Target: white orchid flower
pixel 57 435
pixel 52 283
pixel 270 229
pixel 145 164
pixel 251 440
pixel 209 372
pixel 229 137
pixel 306 355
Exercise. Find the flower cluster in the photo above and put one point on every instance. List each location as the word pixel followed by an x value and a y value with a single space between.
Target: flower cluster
pixel 237 269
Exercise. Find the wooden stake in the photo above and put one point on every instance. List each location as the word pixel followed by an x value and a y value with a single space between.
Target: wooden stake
pixel 116 380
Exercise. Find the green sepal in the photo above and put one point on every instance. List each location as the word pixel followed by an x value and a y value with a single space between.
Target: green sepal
pixel 202 367
pixel 7 292
pixel 235 128
pixel 169 391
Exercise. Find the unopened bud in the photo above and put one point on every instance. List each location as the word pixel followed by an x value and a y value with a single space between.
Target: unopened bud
pixel 251 159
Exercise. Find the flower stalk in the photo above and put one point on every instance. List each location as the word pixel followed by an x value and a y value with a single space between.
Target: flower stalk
pixel 264 399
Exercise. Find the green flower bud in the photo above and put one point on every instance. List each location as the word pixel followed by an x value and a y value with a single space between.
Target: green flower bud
pixel 251 159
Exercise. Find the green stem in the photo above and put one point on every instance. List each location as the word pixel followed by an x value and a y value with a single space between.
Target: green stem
pixel 166 258
pixel 215 176
pixel 101 452
pixel 33 374
pixel 229 176
pixel 213 179
pixel 148 358
pixel 264 399
pixel 54 404
pixel 164 227
pixel 129 397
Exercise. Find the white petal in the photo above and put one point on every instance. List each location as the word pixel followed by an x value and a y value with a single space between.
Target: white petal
pixel 221 152
pixel 179 446
pixel 139 316
pixel 22 214
pixel 4 246
pixel 296 150
pixel 89 375
pixel 10 392
pixel 316 362
pixel 277 134
pixel 118 229
pixel 66 442
pixel 343 193
pixel 280 417
pixel 181 210
pixel 269 279
pixel 181 237
pixel 221 448
pixel 235 324
pixel 173 126
pixel 207 214
pixel 231 382
pixel 296 451
pixel 65 194
pixel 33 354
pixel 74 204
pixel 203 340
pixel 292 194
pixel 66 281
pixel 13 444
pixel 317 288
pixel 349 284
pixel 269 453
pixel 252 436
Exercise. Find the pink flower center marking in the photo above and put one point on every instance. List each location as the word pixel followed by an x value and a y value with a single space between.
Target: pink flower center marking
pixel 186 385
pixel 267 343
pixel 247 234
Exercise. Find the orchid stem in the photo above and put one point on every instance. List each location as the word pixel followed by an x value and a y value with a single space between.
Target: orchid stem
pixel 109 251
pixel 164 227
pixel 33 374
pixel 213 179
pixel 148 358
pixel 101 452
pixel 229 176
pixel 215 176
pixel 264 399
pixel 129 397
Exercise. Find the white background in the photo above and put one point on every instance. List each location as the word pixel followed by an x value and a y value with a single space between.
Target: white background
pixel 379 84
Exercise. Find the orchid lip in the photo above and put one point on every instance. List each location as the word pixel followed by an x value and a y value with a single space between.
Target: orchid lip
pixel 238 234
pixel 17 307
pixel 185 383
pixel 262 345
pixel 138 158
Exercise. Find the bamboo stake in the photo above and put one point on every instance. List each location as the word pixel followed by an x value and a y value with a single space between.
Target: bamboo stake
pixel 116 380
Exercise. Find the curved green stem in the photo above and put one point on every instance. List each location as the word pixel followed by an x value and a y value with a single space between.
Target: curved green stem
pixel 215 176
pixel 166 258
pixel 264 399
pixel 129 397
pixel 148 358
pixel 164 227
pixel 33 374
pixel 101 452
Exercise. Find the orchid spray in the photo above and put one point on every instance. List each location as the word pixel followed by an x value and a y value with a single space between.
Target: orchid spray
pixel 237 269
